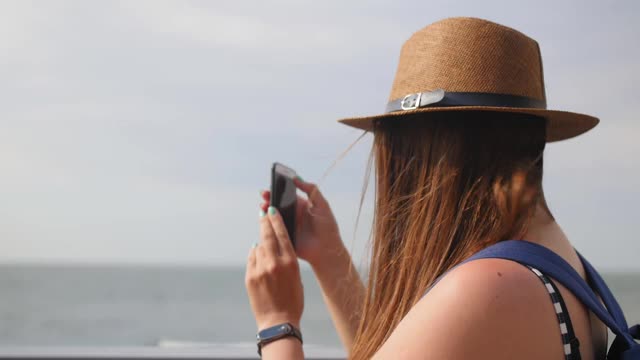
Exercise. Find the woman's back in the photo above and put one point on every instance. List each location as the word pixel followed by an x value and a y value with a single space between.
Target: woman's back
pixel 496 308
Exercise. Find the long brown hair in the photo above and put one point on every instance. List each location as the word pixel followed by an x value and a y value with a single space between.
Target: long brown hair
pixel 445 187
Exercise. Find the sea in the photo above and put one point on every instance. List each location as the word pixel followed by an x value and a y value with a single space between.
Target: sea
pixel 148 306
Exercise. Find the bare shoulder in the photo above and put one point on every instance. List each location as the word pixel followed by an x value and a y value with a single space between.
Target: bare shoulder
pixel 489 308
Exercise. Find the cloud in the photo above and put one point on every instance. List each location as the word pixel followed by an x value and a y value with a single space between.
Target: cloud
pixel 141 131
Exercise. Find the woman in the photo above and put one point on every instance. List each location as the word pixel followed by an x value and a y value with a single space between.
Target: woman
pixel 458 161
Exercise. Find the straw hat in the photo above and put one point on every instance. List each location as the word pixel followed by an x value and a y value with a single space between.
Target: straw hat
pixel 462 64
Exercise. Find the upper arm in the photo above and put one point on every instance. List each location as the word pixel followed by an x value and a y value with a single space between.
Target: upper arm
pixel 484 309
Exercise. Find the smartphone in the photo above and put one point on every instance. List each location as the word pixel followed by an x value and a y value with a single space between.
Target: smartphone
pixel 284 196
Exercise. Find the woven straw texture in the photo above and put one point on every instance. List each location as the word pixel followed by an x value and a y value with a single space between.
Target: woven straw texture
pixel 475 55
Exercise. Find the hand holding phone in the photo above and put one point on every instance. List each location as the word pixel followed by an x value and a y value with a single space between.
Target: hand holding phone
pixel 284 197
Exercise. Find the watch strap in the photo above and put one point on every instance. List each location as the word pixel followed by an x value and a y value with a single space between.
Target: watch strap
pixel 277 332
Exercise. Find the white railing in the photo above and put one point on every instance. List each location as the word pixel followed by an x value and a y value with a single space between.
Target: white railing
pixel 209 351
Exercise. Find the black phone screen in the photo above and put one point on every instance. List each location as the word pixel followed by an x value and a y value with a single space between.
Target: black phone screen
pixel 284 197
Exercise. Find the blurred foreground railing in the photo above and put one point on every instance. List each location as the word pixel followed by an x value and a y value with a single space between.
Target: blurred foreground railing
pixel 222 351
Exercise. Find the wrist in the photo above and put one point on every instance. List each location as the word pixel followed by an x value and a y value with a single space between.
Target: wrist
pixel 276 320
pixel 329 260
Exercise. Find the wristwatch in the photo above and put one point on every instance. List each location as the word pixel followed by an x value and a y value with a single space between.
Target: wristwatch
pixel 276 332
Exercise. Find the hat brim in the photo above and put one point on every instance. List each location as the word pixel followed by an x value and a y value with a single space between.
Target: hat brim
pixel 561 125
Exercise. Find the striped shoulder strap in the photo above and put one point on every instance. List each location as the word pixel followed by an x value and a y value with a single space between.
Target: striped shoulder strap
pixel 570 343
pixel 551 264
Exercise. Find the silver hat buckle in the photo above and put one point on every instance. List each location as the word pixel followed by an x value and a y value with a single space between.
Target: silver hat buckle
pixel 411 101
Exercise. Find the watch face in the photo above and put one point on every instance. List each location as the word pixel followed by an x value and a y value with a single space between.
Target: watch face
pixel 274 331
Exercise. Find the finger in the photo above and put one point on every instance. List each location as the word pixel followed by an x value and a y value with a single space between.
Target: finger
pixel 266 195
pixel 312 191
pixel 249 276
pixel 268 237
pixel 261 257
pixel 251 259
pixel 284 241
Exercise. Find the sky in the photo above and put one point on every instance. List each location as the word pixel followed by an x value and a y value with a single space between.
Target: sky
pixel 141 132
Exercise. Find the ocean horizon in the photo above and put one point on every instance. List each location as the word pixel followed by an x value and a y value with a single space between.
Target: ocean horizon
pixel 151 305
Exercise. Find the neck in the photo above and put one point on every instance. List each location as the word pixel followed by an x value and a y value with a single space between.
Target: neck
pixel 545 231
pixel 543 228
